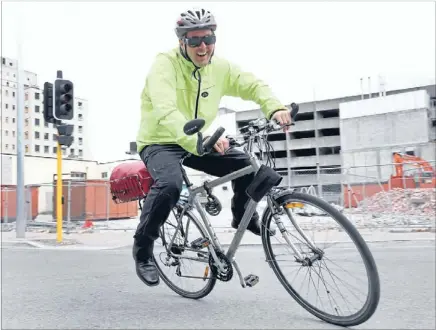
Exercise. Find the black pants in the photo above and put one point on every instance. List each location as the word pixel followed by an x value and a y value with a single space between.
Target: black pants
pixel 163 163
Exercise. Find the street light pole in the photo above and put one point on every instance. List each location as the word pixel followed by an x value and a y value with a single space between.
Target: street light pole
pixel 20 201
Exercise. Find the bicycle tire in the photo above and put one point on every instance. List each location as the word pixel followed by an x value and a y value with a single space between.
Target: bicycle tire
pixel 191 295
pixel 373 299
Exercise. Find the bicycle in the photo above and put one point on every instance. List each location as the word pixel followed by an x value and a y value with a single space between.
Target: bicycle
pixel 279 201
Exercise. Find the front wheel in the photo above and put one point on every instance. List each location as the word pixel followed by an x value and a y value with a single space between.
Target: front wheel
pixel 298 215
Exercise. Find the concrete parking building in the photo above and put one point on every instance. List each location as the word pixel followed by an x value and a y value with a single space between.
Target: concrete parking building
pixel 327 136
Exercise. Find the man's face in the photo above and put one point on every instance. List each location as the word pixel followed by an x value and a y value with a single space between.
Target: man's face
pixel 198 50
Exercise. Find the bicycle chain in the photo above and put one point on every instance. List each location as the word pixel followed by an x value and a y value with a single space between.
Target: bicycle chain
pixel 222 276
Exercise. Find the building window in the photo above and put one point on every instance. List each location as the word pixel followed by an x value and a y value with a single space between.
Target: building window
pixel 6 105
pixel 104 175
pixel 36 96
pixel 13 106
pixel 36 108
pixel 45 124
pixel 36 135
pixel 80 116
pixel 55 150
pixel 80 129
pixel 46 149
pixel 36 121
pixel 78 175
pixel 13 93
pixel 80 141
pixel 45 136
pixel 37 148
pixel 26 148
pixel 80 153
pixel 13 120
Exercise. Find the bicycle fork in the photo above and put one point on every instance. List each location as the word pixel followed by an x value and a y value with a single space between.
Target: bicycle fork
pixel 283 230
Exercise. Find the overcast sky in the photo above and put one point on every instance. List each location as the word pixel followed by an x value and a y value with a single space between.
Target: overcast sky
pixel 106 49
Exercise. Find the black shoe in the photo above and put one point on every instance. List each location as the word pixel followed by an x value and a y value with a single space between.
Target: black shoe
pixel 254 226
pixel 145 267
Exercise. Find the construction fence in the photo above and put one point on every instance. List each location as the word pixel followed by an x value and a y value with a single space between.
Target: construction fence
pixel 371 196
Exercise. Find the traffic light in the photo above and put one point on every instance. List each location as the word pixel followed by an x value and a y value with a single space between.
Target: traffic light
pixel 48 102
pixel 65 133
pixel 63 99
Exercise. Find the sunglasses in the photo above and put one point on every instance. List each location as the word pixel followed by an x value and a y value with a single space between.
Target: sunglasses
pixel 196 41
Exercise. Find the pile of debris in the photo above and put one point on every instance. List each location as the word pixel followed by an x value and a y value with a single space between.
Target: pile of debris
pixel 402 201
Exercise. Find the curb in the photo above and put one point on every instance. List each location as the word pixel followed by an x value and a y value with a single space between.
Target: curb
pixel 10 244
pixel 81 247
pixel 413 230
pixel 70 247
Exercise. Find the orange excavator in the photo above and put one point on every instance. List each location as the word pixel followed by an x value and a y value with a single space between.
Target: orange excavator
pixel 425 172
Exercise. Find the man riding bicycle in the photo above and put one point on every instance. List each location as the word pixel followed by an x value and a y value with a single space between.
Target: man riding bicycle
pixel 185 83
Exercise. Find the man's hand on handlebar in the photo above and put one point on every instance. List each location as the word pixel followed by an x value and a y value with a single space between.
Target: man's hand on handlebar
pixel 283 117
pixel 222 145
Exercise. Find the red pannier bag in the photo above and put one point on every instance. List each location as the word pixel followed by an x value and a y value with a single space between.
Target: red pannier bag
pixel 130 182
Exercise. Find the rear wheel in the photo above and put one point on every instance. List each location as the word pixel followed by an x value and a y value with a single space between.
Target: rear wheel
pixel 175 270
pixel 314 259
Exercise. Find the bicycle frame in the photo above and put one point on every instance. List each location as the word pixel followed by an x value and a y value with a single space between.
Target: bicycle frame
pixel 249 211
pixel 192 201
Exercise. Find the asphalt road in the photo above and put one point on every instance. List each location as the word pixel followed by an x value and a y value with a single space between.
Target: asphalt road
pixel 46 289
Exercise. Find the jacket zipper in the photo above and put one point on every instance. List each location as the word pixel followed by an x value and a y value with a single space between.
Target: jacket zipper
pixel 198 91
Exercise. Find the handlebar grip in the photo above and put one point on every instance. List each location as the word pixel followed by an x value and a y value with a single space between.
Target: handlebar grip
pixel 213 139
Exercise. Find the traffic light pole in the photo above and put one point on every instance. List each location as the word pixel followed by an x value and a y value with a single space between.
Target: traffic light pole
pixel 59 194
pixel 59 106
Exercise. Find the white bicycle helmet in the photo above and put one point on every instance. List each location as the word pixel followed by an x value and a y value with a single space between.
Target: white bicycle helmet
pixel 194 19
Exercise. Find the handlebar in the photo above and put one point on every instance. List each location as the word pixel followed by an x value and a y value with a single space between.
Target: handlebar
pixel 204 148
pixel 254 127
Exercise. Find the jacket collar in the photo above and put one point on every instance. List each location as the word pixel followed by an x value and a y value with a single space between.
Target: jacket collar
pixel 187 63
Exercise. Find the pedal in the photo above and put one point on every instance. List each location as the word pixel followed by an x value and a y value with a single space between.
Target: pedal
pixel 251 280
pixel 200 243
